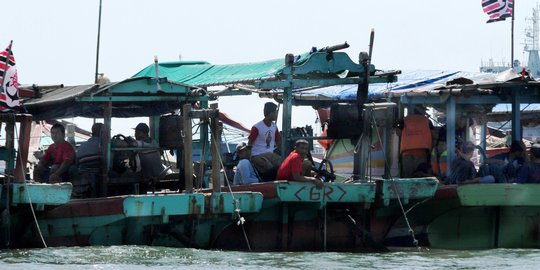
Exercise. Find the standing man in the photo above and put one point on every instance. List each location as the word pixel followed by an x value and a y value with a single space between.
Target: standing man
pixel 263 138
pixel 57 158
pixel 245 173
pixel 296 167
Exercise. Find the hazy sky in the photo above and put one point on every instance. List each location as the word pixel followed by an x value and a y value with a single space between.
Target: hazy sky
pixel 55 41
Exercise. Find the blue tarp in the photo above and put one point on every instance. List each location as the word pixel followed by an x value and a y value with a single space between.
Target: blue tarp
pixel 408 81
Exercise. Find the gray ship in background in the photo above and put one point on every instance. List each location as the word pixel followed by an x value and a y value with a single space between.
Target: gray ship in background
pixel 531 47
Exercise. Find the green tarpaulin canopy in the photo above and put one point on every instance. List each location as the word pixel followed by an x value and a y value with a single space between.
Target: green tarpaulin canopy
pixel 205 74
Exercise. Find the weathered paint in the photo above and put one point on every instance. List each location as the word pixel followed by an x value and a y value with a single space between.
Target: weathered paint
pixel 330 193
pixel 419 215
pixel 486 227
pixel 246 202
pixel 408 189
pixel 499 195
pixel 38 193
pixel 164 205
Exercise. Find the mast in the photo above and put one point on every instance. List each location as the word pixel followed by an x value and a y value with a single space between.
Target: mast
pixel 512 35
pixel 97 50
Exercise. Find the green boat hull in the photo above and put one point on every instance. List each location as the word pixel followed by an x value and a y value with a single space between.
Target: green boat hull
pixel 478 216
pixel 279 216
pixel 490 216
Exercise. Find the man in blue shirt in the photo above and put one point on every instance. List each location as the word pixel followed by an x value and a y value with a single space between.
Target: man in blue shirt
pixel 463 170
pixel 530 172
pixel 245 173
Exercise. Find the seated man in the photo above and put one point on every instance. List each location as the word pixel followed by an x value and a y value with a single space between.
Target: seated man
pixel 150 159
pixel 463 170
pixel 296 167
pixel 263 137
pixel 88 158
pixel 90 151
pixel 54 164
pixel 530 172
pixel 245 172
pixel 510 162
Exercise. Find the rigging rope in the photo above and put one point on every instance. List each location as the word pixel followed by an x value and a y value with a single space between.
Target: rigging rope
pixel 36 222
pixel 241 219
pixel 411 231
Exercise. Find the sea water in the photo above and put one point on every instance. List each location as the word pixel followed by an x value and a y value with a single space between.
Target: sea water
pixel 144 257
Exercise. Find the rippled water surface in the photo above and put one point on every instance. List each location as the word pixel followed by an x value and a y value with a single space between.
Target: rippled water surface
pixel 143 257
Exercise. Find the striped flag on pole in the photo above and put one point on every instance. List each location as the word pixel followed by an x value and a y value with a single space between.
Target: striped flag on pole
pixel 9 85
pixel 497 10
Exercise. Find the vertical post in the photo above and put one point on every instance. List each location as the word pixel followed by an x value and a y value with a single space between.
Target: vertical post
pixel 22 157
pixel 10 143
pixel 516 119
pixel 156 67
pixel 214 128
pixel 483 134
pixel 188 156
pixel 388 142
pixel 287 106
pixel 512 36
pixel 154 127
pixel 204 143
pixel 450 131
pixel 106 148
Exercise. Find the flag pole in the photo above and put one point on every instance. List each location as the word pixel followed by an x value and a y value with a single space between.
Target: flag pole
pixel 98 37
pixel 6 66
pixel 512 35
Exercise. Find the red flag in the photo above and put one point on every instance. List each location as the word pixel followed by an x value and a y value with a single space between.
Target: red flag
pixel 9 84
pixel 498 10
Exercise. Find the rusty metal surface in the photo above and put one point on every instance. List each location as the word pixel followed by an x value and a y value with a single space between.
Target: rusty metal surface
pixel 330 193
pixel 245 202
pixel 409 189
pixel 164 205
pixel 39 193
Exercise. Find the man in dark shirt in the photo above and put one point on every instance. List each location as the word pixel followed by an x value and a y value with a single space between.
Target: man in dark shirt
pixel 530 172
pixel 463 170
pixel 149 156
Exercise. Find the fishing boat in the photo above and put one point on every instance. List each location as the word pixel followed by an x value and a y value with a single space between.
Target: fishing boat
pixel 176 210
pixel 487 215
pixel 477 216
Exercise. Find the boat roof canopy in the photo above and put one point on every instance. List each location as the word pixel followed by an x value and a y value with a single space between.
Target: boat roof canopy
pixel 432 88
pixel 131 98
pixel 321 65
pixel 163 87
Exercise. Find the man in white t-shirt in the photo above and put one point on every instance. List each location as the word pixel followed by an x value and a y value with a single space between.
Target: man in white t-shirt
pixel 263 138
